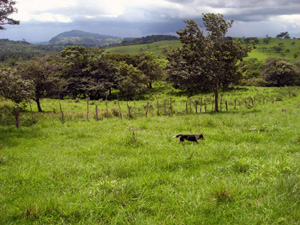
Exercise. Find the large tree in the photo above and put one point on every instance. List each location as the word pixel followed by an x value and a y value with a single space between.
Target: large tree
pixel 88 71
pixel 7 8
pixel 150 66
pixel 40 72
pixel 131 81
pixel 206 61
pixel 74 62
pixel 102 72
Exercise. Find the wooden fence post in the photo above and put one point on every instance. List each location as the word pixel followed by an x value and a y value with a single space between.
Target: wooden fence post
pixel 157 106
pixel 97 118
pixel 62 113
pixel 147 108
pixel 171 107
pixel 120 112
pixel 87 108
pixel 129 111
pixel 31 113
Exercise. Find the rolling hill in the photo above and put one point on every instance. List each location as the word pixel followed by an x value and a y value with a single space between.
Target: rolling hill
pixel 77 37
pixel 284 48
pixel 20 50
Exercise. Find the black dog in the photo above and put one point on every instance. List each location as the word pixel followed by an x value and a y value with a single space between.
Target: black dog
pixel 189 137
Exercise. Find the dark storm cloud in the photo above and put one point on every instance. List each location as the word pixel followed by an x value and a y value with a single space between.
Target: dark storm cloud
pixel 140 18
pixel 251 10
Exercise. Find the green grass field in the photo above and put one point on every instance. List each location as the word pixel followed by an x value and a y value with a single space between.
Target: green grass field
pixel 131 171
pixel 290 48
pixel 262 51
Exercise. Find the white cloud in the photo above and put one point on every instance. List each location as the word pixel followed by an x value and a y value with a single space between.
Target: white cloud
pixel 252 17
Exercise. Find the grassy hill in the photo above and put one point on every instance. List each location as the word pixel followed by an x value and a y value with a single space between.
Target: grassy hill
pixel 77 37
pixel 23 50
pixel 290 48
pixel 157 48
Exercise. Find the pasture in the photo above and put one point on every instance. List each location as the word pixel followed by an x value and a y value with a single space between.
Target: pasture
pixel 290 49
pixel 132 171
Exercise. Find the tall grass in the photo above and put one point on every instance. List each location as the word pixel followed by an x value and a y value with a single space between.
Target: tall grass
pixel 131 171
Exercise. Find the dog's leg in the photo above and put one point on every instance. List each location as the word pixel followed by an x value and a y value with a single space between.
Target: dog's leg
pixel 181 139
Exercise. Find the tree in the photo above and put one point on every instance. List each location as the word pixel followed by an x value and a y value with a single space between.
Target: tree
pixel 251 71
pixel 40 72
pixel 88 71
pixel 102 73
pixel 206 62
pixel 7 8
pixel 150 66
pixel 74 62
pixel 279 72
pixel 13 86
pixel 131 81
pixel 283 35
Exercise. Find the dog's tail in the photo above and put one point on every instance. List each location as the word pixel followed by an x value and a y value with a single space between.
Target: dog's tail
pixel 177 136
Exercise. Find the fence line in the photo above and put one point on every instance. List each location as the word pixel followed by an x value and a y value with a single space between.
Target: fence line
pixel 170 107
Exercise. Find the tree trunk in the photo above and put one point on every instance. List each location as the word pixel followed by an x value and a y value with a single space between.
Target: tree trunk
pixel 150 85
pixel 37 100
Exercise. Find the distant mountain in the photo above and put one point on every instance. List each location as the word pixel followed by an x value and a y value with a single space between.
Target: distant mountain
pixel 81 38
pixel 79 33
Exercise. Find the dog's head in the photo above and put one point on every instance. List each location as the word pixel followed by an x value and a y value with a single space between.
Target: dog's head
pixel 201 137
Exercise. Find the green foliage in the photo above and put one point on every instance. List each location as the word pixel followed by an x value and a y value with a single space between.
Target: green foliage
pixel 131 80
pixel 40 72
pixel 150 66
pixel 15 87
pixel 208 62
pixel 7 8
pixel 280 72
pixel 251 73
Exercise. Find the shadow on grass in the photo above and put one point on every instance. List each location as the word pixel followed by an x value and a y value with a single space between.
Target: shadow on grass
pixel 10 135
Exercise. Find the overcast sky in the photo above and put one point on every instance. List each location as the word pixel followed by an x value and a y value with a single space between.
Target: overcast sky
pixel 42 20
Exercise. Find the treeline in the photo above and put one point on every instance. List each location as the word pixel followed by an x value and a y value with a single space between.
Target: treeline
pixel 21 50
pixel 80 72
pixel 148 39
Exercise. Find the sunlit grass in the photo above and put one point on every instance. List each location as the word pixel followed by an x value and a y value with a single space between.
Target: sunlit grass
pixel 132 171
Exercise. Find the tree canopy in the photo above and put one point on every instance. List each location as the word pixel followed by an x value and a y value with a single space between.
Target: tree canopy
pixel 206 61
pixel 7 8
pixel 280 72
